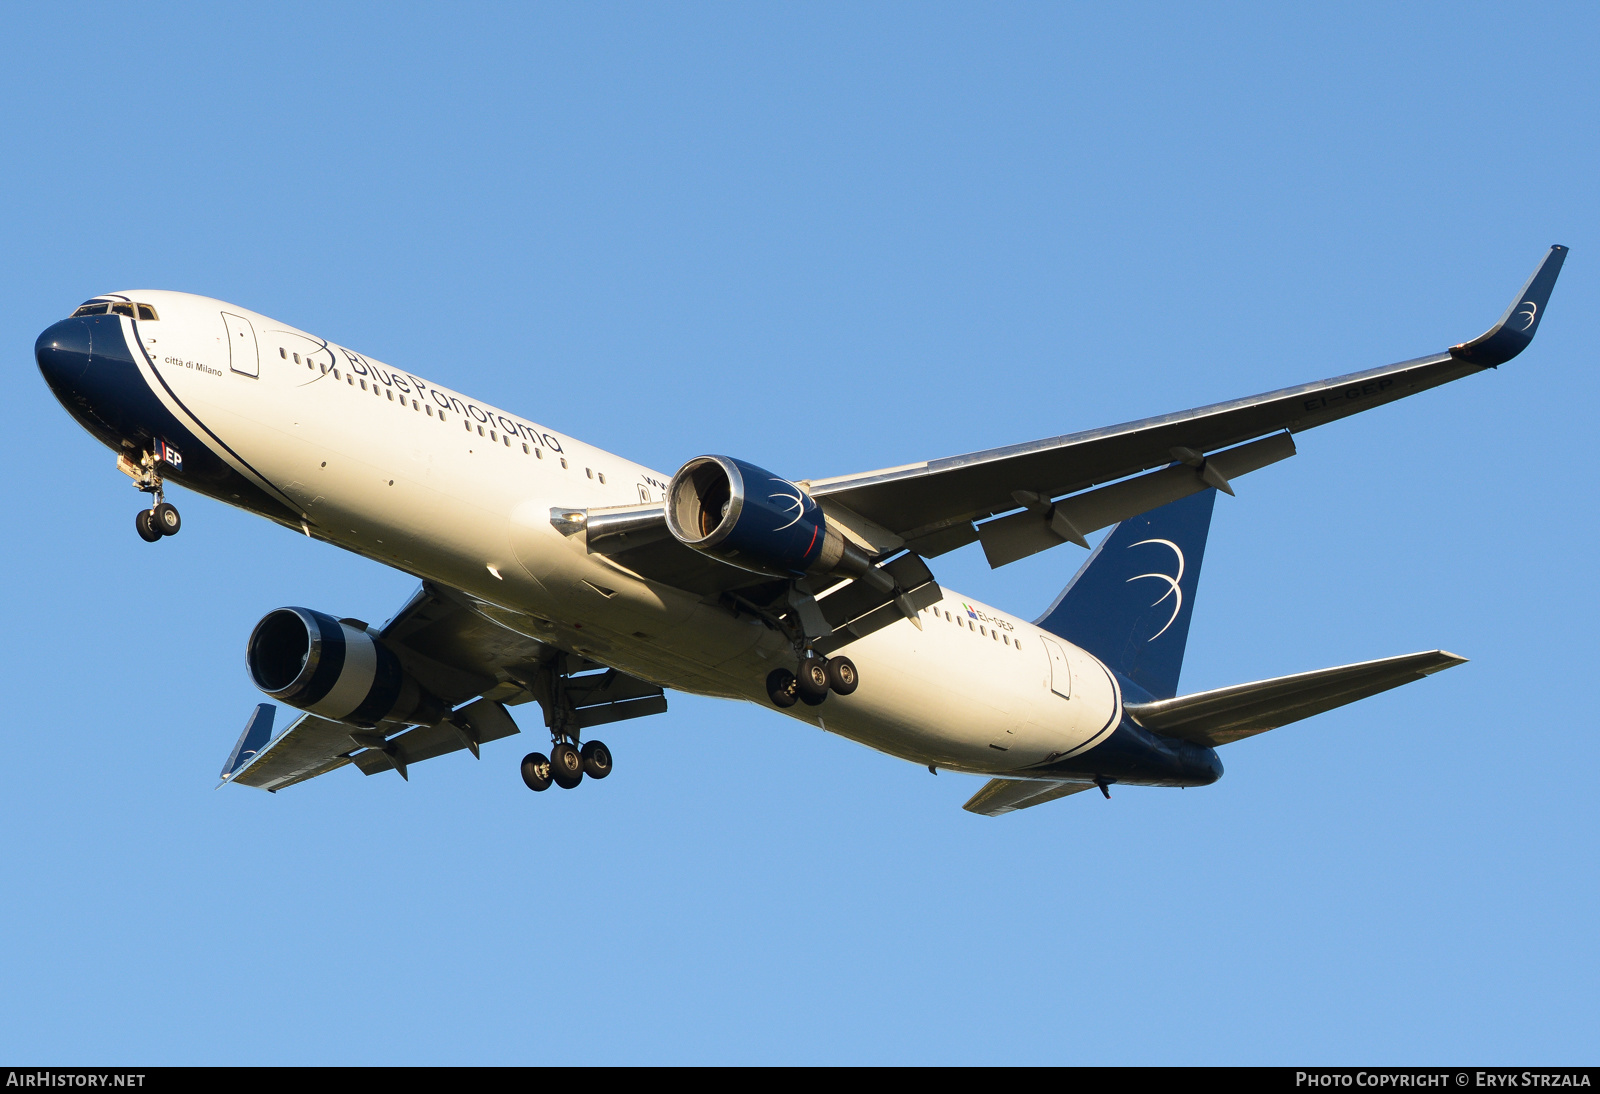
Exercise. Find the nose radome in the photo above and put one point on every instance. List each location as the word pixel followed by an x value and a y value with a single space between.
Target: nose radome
pixel 91 371
pixel 63 352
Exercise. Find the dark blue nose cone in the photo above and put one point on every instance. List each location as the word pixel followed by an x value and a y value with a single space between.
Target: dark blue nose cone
pixel 63 352
pixel 87 363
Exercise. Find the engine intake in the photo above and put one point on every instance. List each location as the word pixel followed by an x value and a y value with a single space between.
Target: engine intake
pixel 332 669
pixel 748 517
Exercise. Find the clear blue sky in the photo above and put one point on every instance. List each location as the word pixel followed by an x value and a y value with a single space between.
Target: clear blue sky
pixel 825 238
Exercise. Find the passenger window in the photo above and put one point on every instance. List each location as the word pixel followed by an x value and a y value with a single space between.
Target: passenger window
pixel 122 309
pixel 283 353
pixel 602 478
pixel 147 312
pixel 297 358
pixel 524 450
pixel 589 471
pixel 563 463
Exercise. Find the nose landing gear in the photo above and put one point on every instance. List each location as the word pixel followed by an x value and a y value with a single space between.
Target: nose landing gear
pixel 162 518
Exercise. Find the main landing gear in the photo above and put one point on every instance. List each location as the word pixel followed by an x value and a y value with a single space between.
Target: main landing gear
pixel 811 685
pixel 161 519
pixel 568 762
pixel 566 765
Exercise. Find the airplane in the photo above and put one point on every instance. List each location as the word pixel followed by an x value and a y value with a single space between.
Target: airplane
pixel 558 574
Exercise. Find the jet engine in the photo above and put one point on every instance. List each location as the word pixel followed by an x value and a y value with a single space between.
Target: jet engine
pixel 335 669
pixel 748 517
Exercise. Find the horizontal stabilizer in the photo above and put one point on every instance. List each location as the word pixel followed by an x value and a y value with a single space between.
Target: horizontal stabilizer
pixel 1228 714
pixel 1008 795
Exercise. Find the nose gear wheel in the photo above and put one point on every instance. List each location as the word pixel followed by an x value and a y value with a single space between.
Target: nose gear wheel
pixel 161 519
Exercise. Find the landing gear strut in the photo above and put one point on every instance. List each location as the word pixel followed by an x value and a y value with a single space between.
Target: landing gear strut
pixel 567 763
pixel 161 519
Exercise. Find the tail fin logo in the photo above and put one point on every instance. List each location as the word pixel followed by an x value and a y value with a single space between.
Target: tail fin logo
pixel 1173 590
pixel 1533 310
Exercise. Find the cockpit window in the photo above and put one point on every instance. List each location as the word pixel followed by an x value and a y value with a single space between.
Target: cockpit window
pixel 132 311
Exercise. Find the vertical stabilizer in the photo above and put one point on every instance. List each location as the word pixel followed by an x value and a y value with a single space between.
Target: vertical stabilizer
pixel 1131 602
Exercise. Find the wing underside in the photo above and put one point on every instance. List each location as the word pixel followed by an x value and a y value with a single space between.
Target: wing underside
pixel 931 507
pixel 473 656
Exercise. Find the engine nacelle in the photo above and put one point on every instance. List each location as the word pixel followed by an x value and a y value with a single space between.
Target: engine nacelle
pixel 748 517
pixel 335 670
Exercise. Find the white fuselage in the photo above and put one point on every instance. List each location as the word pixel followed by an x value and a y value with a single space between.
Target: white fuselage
pixel 393 467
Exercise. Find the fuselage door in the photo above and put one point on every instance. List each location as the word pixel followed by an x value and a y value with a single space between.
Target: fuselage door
pixel 244 357
pixel 1060 670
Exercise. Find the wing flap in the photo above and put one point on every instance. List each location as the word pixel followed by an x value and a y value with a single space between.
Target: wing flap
pixel 1007 539
pixel 1229 714
pixel 1000 796
pixel 479 722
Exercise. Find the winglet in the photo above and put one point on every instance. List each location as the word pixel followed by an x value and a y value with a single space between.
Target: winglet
pixel 1509 337
pixel 256 732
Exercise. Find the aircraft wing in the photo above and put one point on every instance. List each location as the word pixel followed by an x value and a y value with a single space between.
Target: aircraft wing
pixel 1226 715
pixel 930 507
pixel 464 651
pixel 308 747
pixel 1000 796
